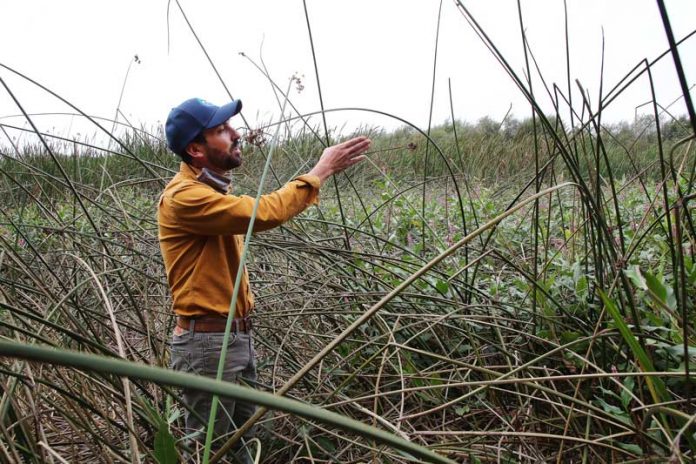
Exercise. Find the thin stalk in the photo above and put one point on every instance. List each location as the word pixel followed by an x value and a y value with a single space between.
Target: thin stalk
pixel 238 278
pixel 468 190
pixel 678 64
pixel 323 117
pixel 430 118
pixel 537 176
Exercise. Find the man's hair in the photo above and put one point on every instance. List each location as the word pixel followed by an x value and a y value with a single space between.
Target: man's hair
pixel 200 138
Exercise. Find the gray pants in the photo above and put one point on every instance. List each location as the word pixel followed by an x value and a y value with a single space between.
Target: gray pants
pixel 199 353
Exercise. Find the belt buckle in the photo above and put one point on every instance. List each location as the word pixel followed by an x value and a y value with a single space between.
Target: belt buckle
pixel 242 325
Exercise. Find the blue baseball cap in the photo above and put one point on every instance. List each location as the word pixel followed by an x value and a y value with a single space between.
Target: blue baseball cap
pixel 193 116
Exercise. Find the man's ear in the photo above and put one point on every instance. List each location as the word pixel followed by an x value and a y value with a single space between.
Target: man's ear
pixel 197 153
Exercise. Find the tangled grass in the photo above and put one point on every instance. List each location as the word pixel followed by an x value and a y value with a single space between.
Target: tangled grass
pixel 435 294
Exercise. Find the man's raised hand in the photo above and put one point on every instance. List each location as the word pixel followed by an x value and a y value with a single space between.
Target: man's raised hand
pixel 338 157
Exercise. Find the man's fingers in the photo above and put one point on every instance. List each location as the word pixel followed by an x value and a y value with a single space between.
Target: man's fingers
pixel 337 158
pixel 357 159
pixel 357 148
pixel 355 141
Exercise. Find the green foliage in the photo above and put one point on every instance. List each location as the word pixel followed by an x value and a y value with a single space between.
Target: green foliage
pixel 165 448
pixel 655 384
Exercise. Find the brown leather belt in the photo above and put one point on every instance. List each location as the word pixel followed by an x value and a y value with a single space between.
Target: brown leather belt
pixel 214 323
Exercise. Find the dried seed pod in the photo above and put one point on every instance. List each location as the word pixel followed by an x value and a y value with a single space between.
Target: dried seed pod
pixel 255 137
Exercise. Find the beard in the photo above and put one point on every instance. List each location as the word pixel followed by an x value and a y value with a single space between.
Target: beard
pixel 224 160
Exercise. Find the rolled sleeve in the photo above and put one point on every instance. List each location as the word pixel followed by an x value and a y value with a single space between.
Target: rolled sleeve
pixel 201 210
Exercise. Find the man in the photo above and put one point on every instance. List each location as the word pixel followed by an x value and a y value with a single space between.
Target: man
pixel 200 234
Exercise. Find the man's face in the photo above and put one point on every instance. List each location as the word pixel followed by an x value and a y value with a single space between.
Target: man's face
pixel 221 151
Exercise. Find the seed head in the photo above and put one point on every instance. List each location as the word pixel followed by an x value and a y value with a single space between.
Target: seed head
pixel 297 77
pixel 255 137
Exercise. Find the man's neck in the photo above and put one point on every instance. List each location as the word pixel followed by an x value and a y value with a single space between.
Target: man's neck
pixel 220 181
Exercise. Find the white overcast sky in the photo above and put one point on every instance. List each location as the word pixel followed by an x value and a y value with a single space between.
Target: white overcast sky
pixel 375 54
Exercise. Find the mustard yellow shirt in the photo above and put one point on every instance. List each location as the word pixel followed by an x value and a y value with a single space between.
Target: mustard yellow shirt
pixel 201 235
